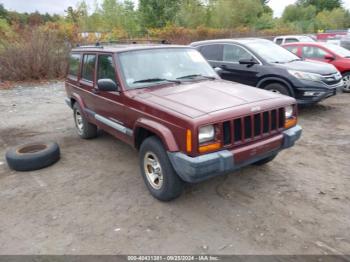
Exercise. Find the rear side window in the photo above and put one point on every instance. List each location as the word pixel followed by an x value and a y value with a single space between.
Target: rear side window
pixel 290 40
pixel 74 61
pixel 105 68
pixel 279 41
pixel 88 67
pixel 212 52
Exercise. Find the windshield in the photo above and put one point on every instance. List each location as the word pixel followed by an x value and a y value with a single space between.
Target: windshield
pixel 340 51
pixel 271 52
pixel 142 68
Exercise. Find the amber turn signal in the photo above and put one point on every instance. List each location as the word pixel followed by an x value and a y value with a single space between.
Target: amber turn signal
pixel 210 147
pixel 188 141
pixel 290 122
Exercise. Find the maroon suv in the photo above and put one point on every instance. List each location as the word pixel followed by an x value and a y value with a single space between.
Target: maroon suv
pixel 168 103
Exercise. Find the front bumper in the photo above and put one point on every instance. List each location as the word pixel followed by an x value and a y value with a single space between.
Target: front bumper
pixel 324 92
pixel 196 169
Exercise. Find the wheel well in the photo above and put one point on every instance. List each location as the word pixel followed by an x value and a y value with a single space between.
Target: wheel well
pixel 140 135
pixel 273 81
pixel 72 101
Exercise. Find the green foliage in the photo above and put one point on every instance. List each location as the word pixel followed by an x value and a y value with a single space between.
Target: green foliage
pixel 157 13
pixel 192 13
pixel 321 5
pixel 334 19
pixel 229 14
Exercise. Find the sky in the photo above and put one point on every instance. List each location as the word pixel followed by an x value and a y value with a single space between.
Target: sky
pixel 54 6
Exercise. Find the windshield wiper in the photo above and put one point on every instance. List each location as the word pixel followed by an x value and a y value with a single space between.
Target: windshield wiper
pixel 196 75
pixel 296 59
pixel 151 80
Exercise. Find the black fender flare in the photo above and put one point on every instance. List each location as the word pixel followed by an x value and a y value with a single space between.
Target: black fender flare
pixel 277 79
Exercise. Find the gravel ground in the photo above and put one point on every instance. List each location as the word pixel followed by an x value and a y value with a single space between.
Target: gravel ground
pixel 93 201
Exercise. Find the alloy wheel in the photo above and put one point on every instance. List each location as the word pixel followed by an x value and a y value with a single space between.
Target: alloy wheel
pixel 153 170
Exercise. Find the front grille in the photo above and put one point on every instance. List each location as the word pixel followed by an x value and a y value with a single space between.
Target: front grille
pixel 252 127
pixel 332 79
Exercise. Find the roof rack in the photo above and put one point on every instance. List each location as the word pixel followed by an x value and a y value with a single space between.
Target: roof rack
pixel 124 41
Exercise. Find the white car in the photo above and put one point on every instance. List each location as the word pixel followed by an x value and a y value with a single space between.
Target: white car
pixel 285 39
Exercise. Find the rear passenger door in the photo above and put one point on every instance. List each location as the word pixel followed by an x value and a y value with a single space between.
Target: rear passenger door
pixel 86 82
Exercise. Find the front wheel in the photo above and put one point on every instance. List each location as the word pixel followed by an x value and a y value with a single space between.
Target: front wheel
pixel 157 171
pixel 346 79
pixel 277 88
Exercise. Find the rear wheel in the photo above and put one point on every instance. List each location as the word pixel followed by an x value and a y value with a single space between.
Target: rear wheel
pixel 157 171
pixel 277 88
pixel 346 79
pixel 85 129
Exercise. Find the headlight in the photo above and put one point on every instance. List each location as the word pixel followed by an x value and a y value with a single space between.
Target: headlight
pixel 305 76
pixel 206 134
pixel 288 111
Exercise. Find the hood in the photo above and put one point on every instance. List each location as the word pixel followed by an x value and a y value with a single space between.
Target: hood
pixel 200 98
pixel 310 67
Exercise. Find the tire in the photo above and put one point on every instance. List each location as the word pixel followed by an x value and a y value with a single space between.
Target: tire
pixel 265 160
pixel 346 79
pixel 278 88
pixel 85 129
pixel 153 160
pixel 32 156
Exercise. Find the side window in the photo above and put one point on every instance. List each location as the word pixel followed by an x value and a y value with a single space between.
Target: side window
pixel 212 52
pixel 313 52
pixel 234 53
pixel 279 41
pixel 74 61
pixel 105 67
pixel 88 67
pixel 293 49
pixel 290 40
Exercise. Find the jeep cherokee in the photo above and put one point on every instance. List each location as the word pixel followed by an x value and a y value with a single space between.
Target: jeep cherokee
pixel 168 103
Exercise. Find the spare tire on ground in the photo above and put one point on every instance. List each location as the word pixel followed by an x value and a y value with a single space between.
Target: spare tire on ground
pixel 33 156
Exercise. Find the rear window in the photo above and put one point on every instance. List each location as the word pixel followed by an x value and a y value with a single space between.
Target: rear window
pixel 88 67
pixel 74 62
pixel 290 40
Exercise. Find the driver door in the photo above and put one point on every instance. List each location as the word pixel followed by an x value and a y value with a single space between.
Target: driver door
pixel 233 70
pixel 109 106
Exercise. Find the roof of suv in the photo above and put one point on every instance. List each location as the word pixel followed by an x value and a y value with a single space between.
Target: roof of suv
pixel 232 40
pixel 122 48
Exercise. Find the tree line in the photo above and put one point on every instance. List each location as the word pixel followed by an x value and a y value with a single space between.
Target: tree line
pixel 43 40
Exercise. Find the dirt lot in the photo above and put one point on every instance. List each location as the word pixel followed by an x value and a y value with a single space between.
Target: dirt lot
pixel 93 201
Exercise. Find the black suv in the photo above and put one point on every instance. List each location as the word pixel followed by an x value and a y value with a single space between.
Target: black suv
pixel 262 63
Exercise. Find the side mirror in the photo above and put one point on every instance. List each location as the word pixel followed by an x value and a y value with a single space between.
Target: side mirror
pixel 329 57
pixel 248 62
pixel 107 85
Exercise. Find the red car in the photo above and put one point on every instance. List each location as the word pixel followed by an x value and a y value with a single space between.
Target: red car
pixel 324 52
